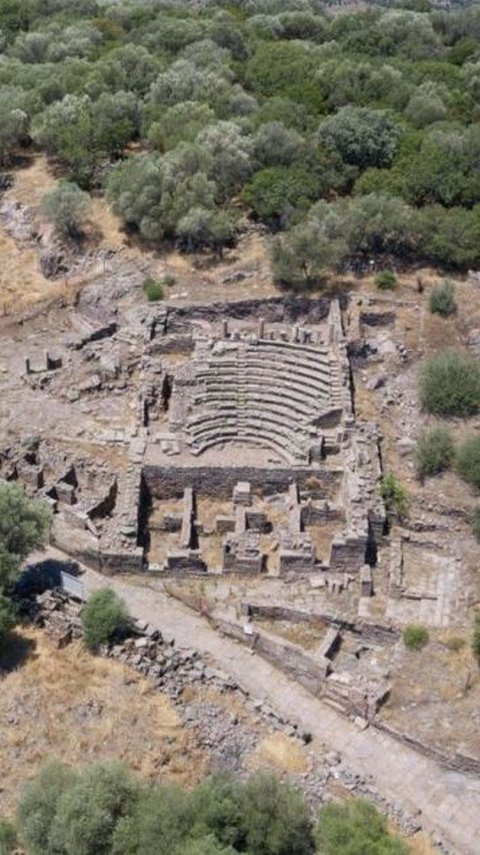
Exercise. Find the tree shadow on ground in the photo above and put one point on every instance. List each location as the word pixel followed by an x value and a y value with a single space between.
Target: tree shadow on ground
pixel 17 650
pixel 37 578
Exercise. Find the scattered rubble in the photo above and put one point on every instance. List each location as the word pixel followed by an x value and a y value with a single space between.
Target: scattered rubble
pixel 229 738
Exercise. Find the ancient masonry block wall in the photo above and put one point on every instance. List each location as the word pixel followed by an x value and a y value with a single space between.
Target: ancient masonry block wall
pixel 396 582
pixel 169 482
pixel 284 310
pixel 364 509
pixel 374 633
pixel 354 696
pixel 290 658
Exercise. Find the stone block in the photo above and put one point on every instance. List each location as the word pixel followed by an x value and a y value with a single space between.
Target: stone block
pixel 242 494
pixel 224 524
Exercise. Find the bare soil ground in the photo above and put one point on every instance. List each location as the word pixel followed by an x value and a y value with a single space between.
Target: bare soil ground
pixel 243 272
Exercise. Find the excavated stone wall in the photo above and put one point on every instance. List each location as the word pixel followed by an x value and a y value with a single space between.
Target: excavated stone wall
pixel 167 482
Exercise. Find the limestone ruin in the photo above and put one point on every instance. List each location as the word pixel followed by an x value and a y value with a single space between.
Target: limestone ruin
pixel 219 445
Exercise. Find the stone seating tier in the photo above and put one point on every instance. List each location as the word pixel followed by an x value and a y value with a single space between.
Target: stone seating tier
pixel 266 375
pixel 256 421
pixel 247 410
pixel 259 398
pixel 321 372
pixel 285 391
pixel 297 355
pixel 266 392
pixel 263 439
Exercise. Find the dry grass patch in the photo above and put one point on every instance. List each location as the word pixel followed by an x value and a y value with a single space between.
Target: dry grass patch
pixel 279 753
pixel 81 708
pixel 33 181
pixel 21 282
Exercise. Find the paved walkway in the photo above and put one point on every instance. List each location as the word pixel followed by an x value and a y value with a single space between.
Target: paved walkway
pixel 449 801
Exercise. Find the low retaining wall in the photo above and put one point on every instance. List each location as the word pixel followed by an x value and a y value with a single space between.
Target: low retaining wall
pixel 354 697
pixel 289 658
pixel 373 632
pixel 456 761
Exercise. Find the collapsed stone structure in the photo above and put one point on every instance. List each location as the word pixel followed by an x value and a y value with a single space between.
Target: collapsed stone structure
pixel 259 415
pixel 242 446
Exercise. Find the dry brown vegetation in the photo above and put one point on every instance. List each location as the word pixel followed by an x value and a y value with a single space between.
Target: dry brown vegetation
pixel 71 705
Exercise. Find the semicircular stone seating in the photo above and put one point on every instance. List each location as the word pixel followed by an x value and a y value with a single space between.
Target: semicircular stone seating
pixel 267 393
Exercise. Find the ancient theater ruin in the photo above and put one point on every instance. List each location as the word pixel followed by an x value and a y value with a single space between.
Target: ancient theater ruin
pixel 228 453
pixel 254 464
pixel 242 453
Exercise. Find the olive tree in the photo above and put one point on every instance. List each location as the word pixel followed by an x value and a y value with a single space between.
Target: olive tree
pixel 66 207
pixel 356 826
pixel 362 136
pixel 14 124
pixel 116 120
pixel 427 105
pixel 38 804
pixel 307 253
pixel 66 129
pixel 211 228
pixel 160 822
pixel 24 525
pixel 184 81
pixel 89 810
pixel 153 193
pixel 230 154
pixel 276 818
pixel 409 33
pixel 182 122
pixel 276 145
pixel 206 54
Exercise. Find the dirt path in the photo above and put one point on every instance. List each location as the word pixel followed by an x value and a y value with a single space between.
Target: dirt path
pixel 449 802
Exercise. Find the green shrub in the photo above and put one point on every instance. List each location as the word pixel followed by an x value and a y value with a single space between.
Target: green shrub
pixel 434 452
pixel 353 828
pixel 160 822
pixel 476 637
pixel 394 496
pixel 276 818
pixel 153 290
pixel 69 811
pixel 8 837
pixel 109 812
pixel 169 280
pixel 38 805
pixel 385 280
pixel 476 523
pixel 204 846
pixel 468 461
pixel 217 806
pixel 24 526
pixel 90 809
pixel 450 385
pixel 104 618
pixel 415 636
pixel 442 299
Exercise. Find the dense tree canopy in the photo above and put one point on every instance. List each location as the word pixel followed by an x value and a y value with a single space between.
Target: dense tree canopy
pixel 102 810
pixel 184 115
